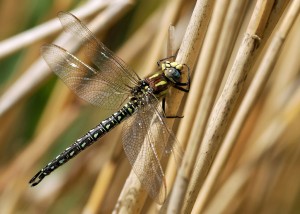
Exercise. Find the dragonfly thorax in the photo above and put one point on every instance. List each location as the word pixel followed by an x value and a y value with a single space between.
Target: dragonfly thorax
pixel 141 89
pixel 139 92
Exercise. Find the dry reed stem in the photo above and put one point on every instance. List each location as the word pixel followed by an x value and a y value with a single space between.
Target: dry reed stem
pixel 210 90
pixel 200 76
pixel 31 36
pixel 38 72
pixel 289 63
pixel 193 38
pixel 264 71
pixel 104 179
pixel 266 141
pixel 276 128
pixel 228 191
pixel 159 43
pixel 222 111
pixel 132 197
pixel 187 54
pixel 100 189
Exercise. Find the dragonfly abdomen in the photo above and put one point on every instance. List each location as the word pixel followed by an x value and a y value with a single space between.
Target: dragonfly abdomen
pixel 88 139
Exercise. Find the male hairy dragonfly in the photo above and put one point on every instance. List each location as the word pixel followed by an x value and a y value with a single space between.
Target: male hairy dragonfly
pixel 111 84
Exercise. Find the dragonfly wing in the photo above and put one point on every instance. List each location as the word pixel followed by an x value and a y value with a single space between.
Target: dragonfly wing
pixel 84 80
pixel 111 67
pixel 146 140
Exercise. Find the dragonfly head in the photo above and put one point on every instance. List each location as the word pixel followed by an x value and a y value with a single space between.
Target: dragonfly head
pixel 172 71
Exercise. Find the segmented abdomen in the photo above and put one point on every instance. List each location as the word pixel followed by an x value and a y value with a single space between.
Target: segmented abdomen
pixel 88 139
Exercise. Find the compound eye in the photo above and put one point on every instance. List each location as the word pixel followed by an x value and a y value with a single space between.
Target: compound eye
pixel 173 74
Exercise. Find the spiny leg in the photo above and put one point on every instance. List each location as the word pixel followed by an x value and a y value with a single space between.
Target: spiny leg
pixel 178 86
pixel 164 110
pixel 188 83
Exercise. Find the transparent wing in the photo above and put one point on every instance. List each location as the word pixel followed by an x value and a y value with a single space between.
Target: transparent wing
pixel 108 64
pixel 109 78
pixel 147 140
pixel 85 81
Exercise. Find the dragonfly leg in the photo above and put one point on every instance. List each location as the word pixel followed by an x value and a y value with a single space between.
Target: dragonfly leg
pixel 164 110
pixel 188 83
pixel 178 86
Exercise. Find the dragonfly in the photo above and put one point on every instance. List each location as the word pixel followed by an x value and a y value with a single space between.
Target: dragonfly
pixel 110 83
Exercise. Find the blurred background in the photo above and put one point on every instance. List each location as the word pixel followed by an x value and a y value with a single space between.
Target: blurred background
pixel 40 116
